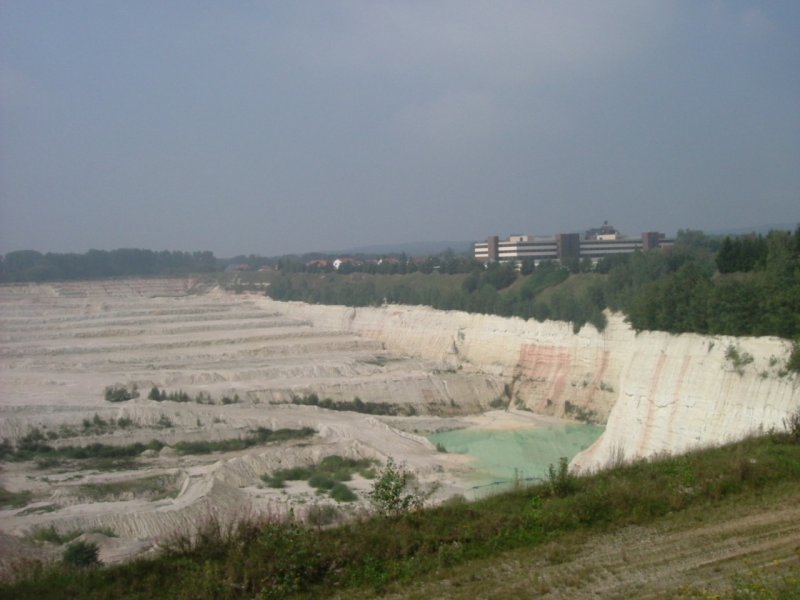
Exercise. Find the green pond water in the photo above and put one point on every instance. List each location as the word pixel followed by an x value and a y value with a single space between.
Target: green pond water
pixel 502 457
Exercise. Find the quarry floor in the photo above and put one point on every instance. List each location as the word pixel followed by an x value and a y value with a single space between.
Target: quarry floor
pixel 61 345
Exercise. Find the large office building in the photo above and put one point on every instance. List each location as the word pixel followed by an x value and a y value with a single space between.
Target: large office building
pixel 594 244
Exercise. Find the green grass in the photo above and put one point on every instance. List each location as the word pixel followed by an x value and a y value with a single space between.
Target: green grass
pixel 279 559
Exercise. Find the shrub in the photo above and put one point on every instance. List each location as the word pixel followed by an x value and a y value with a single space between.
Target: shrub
pixel 390 495
pixel 738 359
pixel 341 493
pixel 120 393
pixel 321 481
pixel 562 483
pixel 81 555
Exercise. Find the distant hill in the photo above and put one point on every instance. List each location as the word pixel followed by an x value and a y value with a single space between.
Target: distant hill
pixel 410 248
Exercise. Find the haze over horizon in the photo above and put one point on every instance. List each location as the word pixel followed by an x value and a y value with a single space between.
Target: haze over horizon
pixel 274 128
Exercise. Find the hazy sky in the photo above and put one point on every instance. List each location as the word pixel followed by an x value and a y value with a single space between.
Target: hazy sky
pixel 274 127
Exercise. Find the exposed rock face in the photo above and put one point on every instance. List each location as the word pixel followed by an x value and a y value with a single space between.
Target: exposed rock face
pixel 658 392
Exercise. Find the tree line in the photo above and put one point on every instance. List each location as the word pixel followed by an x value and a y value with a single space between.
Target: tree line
pixel 30 265
pixel 733 286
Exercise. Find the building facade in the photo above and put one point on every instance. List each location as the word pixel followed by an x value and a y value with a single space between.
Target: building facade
pixel 594 244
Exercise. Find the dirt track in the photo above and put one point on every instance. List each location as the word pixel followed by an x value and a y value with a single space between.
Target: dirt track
pixel 689 555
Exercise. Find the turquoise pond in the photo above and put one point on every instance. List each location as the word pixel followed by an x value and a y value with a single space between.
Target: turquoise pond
pixel 505 456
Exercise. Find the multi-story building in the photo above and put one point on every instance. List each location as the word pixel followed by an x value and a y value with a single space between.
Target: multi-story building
pixel 594 244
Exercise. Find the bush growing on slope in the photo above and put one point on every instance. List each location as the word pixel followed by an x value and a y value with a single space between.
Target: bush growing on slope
pixel 81 555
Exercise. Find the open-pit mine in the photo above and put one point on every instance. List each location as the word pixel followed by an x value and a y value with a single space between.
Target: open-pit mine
pixel 134 409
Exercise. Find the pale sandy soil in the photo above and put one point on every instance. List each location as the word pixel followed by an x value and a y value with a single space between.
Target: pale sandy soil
pixel 62 344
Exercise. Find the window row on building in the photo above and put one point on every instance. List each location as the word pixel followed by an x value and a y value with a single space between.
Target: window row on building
pixel 595 244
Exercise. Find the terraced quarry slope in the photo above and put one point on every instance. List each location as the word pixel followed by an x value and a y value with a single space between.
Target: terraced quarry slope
pixel 61 345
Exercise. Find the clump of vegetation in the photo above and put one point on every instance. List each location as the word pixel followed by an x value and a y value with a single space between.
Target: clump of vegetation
pixel 561 482
pixel 580 413
pixel 33 447
pixel 356 405
pixel 97 425
pixel 328 476
pixel 737 358
pixel 164 422
pixel 156 487
pixel 81 555
pixel 499 402
pixel 393 492
pixel 121 393
pixel 160 395
pixel 257 437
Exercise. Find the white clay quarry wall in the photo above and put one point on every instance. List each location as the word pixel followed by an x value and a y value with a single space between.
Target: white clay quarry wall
pixel 659 392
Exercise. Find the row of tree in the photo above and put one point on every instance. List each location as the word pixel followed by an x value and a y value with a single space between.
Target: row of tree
pixel 30 265
pixel 761 298
pixel 737 286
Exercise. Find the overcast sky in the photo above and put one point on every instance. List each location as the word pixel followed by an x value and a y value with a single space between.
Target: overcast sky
pixel 276 127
